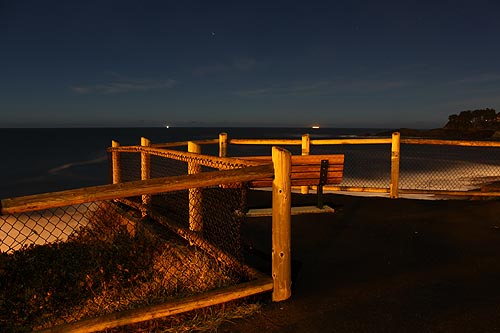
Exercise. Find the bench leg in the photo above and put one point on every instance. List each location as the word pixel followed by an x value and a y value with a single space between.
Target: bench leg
pixel 320 197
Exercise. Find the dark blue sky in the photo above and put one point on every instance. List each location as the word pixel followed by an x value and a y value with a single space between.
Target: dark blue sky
pixel 289 63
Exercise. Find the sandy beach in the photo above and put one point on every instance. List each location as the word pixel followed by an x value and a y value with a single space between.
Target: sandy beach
pixel 382 265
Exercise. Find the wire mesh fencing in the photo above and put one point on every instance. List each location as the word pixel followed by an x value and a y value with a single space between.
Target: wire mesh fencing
pixel 130 166
pixel 22 230
pixel 450 168
pixel 365 165
pixel 62 265
pixel 428 167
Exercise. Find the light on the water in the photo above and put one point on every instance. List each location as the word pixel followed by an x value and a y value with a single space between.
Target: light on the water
pixel 315 127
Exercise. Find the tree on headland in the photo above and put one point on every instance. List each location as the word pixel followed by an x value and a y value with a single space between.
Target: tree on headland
pixel 481 119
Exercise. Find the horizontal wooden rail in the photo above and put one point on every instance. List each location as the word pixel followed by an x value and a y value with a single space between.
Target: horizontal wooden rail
pixel 319 142
pixel 151 312
pixel 451 142
pixel 361 141
pixel 323 142
pixel 134 188
pixel 271 142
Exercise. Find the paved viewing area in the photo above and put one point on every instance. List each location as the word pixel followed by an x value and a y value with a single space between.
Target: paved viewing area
pixel 382 265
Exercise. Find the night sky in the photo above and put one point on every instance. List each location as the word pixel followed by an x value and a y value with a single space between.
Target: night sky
pixel 246 63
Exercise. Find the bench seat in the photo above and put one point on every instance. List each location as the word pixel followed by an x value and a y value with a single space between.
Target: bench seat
pixel 306 170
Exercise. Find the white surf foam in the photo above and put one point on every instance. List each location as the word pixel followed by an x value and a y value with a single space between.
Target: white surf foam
pixel 74 164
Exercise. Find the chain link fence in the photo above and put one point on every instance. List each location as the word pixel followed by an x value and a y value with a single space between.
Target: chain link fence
pixel 367 165
pixel 181 205
pixel 422 166
pixel 19 231
pixel 364 165
pixel 449 168
pixel 62 265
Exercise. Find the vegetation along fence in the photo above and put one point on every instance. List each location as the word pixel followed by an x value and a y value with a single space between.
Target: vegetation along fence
pixel 154 243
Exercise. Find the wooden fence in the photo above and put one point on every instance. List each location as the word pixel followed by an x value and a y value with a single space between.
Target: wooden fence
pixel 394 143
pixel 280 284
pixel 281 192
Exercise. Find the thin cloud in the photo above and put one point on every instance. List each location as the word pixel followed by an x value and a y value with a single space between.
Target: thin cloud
pixel 310 88
pixel 324 88
pixel 373 85
pixel 123 86
pixel 244 64
pixel 211 69
pixel 81 89
pixel 240 64
pixel 481 78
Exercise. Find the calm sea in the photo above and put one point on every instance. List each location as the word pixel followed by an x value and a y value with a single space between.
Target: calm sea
pixel 46 160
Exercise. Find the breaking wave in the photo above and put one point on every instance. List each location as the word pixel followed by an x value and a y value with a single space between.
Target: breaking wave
pixel 74 164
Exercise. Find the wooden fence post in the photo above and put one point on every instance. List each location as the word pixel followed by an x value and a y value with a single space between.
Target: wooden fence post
pixel 281 225
pixel 116 163
pixel 145 171
pixel 195 197
pixel 306 149
pixel 222 144
pixel 395 158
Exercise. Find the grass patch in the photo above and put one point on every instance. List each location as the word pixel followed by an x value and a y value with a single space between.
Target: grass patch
pixel 104 268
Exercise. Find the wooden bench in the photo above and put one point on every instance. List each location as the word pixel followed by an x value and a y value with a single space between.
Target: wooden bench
pixel 307 170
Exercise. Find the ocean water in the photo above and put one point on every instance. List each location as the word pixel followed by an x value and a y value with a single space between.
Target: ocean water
pixel 42 160
pixel 46 160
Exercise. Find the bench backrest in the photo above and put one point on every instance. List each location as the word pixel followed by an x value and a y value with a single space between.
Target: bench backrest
pixel 306 170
